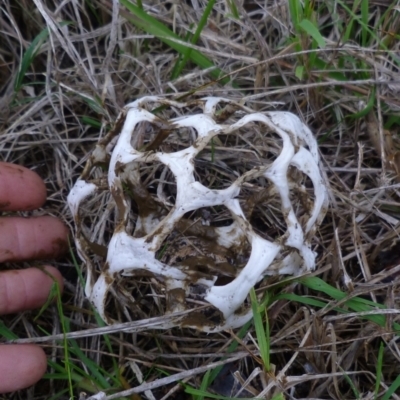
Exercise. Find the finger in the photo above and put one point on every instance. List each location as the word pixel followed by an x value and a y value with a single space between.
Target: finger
pixel 26 289
pixel 20 366
pixel 20 188
pixel 32 238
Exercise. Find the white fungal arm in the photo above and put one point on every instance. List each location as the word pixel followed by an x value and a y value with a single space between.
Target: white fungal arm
pixel 230 297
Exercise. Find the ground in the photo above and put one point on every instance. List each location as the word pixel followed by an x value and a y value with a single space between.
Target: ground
pixel 66 71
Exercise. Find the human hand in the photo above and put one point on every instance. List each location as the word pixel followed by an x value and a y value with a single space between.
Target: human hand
pixel 25 239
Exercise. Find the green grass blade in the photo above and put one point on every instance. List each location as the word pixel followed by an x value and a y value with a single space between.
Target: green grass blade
pixel 308 8
pixel 319 285
pixel 370 31
pixel 78 376
pixel 299 72
pixel 296 13
pixel 29 56
pixel 312 30
pixel 6 333
pixel 65 344
pixel 356 304
pixel 233 8
pixel 262 335
pixel 392 120
pixel 202 394
pixel 232 347
pixel 52 295
pixel 55 293
pixel 267 340
pixel 364 19
pixel 99 320
pixel 94 104
pixel 367 108
pixel 195 38
pixel 98 375
pixel 76 264
pixel 175 71
pixel 392 389
pixel 301 299
pixel 351 384
pixel 94 123
pixel 154 27
pixel 321 64
pixel 204 385
pixel 390 37
pixel 379 366
pixel 350 24
pixel 95 371
pixel 59 394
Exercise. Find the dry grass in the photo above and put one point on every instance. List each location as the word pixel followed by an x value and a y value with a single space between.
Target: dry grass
pixel 70 96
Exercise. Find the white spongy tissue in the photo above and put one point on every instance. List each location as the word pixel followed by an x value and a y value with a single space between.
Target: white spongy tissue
pixel 127 254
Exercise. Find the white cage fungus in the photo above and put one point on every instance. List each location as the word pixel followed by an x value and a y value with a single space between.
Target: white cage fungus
pixel 141 185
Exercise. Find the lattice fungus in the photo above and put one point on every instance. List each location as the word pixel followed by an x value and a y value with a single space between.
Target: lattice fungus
pixel 187 206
